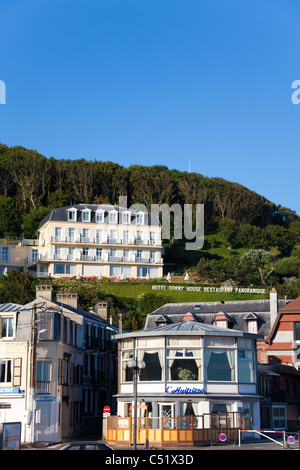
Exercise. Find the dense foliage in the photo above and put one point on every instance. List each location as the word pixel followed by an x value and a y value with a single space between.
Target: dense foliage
pixel 31 184
pixel 237 221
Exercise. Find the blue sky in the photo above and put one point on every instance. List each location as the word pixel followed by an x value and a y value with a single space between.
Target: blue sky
pixel 158 82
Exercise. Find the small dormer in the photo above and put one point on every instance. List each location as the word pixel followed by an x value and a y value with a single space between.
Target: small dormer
pixel 86 215
pixel 162 320
pixel 251 323
pixel 223 320
pixel 139 218
pixel 189 317
pixel 113 216
pixel 126 217
pixel 72 214
pixel 99 215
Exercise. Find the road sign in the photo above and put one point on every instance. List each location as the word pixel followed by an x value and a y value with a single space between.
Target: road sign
pixel 291 440
pixel 222 437
pixel 106 409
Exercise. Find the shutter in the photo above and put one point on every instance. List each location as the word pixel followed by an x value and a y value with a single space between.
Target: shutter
pixel 57 326
pixel 17 368
pixel 59 372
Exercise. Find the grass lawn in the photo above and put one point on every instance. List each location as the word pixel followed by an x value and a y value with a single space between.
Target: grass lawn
pixel 134 289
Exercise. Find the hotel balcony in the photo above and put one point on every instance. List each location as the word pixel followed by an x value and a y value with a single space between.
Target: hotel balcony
pixel 105 241
pixel 101 259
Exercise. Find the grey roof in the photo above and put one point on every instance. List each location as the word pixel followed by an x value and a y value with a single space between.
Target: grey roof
pixel 237 312
pixel 9 307
pixel 84 313
pixel 186 328
pixel 60 214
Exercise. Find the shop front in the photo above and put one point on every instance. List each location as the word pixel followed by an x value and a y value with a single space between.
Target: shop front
pixel 188 376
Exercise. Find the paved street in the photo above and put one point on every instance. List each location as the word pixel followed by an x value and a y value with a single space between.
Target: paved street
pixel 259 445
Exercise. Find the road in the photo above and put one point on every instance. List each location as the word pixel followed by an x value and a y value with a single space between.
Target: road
pixel 259 445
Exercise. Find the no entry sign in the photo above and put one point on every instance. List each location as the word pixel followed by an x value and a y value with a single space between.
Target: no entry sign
pixel 106 409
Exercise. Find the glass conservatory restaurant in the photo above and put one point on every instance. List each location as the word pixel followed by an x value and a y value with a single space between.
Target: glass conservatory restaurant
pixel 189 369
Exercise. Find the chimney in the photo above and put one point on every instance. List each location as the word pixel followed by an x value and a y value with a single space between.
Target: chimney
pixel 273 306
pixel 68 298
pixel 45 291
pixel 101 309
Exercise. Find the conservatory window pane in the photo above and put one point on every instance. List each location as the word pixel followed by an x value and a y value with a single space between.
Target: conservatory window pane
pixel 153 369
pixel 188 341
pixel 150 342
pixel 220 341
pixel 220 365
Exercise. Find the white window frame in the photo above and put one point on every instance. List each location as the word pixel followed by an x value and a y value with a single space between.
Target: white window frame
pixel 113 217
pixel 71 234
pixel 11 327
pixel 99 216
pixel 126 218
pixel 72 215
pixel 252 326
pixel 140 218
pixel 6 361
pixel 86 215
pixel 222 323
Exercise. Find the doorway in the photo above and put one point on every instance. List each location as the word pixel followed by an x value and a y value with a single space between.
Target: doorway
pixel 167 412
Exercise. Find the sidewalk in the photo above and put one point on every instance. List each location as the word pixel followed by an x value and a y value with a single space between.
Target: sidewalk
pixel 261 445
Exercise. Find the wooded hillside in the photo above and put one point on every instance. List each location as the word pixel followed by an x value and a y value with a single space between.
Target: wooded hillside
pixel 237 220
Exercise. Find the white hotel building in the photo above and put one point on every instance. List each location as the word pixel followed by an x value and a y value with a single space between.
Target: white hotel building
pixel 90 240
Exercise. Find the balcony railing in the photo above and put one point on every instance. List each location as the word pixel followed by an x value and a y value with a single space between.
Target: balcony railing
pixel 101 259
pixel 105 241
pixel 43 387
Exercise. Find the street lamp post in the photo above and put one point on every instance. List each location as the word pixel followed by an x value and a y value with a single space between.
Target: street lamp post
pixel 136 367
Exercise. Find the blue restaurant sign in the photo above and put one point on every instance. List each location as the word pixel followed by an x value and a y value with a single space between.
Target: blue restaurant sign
pixel 184 390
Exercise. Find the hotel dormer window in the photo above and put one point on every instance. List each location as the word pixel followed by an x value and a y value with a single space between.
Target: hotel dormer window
pixel 72 215
pixel 99 216
pixel 140 218
pixel 86 215
pixel 126 218
pixel 113 217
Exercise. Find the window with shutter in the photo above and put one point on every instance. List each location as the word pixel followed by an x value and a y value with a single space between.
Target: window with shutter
pixel 17 369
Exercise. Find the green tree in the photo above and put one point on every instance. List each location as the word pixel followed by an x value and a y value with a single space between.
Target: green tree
pixel 32 221
pixel 260 260
pixel 31 174
pixel 10 218
pixel 228 231
pixel 281 238
pixel 17 287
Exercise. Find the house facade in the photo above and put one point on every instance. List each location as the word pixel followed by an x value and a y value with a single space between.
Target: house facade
pixel 280 370
pixel 277 321
pixel 90 240
pixel 57 366
pixel 186 371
